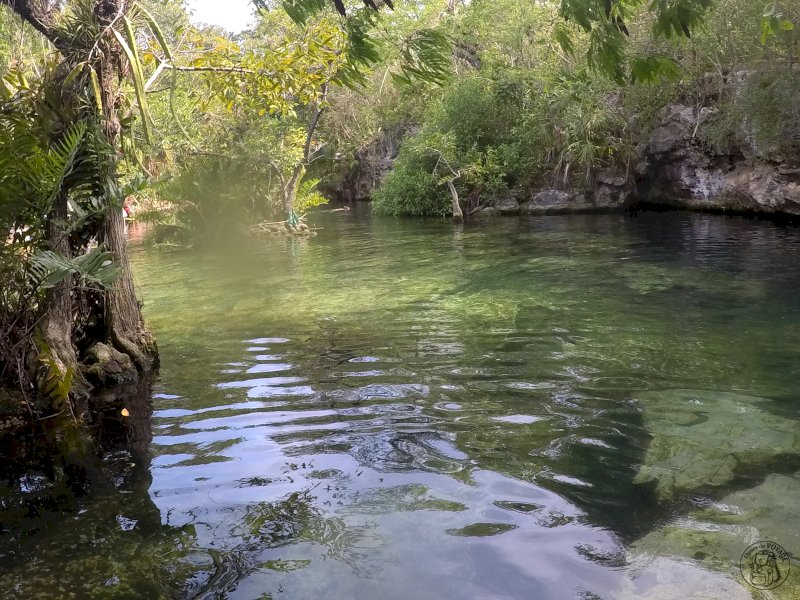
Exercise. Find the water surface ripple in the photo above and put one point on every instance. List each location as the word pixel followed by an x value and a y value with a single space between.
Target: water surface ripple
pixel 420 410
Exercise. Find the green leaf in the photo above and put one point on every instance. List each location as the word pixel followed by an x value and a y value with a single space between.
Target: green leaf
pixel 98 96
pixel 97 267
pixel 563 38
pixel 766 30
pixel 73 74
pixel 132 55
pixel 647 69
pixel 154 26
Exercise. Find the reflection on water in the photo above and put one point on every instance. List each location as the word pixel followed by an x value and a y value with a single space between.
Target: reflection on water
pixel 77 518
pixel 566 407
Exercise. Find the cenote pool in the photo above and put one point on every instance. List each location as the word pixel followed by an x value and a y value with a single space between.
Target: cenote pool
pixel 589 407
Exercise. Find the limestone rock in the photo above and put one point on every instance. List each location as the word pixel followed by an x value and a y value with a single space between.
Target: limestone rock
pixel 105 365
pixel 611 179
pixel 701 439
pixel 714 535
pixel 506 206
pixel 371 163
pixel 548 201
pixel 486 211
pixel 606 196
pixel 676 128
pixel 663 578
pixel 552 199
pixel 675 167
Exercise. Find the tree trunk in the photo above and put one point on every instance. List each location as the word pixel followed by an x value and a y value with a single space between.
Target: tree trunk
pixel 291 187
pixel 57 323
pixel 457 213
pixel 124 321
pixel 290 190
pixel 123 316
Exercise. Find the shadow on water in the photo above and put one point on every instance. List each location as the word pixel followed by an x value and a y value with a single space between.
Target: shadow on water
pixel 77 519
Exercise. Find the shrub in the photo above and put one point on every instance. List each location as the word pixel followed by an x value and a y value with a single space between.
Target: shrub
pixel 410 190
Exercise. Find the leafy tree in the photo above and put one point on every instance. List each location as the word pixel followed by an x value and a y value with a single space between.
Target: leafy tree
pixel 97 49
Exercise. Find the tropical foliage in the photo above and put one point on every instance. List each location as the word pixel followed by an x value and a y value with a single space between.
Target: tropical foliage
pixel 523 111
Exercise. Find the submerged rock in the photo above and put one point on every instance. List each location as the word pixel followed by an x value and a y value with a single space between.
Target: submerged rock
pixel 716 535
pixel 702 439
pixel 482 529
pixel 668 579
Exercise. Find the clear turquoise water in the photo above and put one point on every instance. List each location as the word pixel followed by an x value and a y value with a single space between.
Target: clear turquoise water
pixel 595 406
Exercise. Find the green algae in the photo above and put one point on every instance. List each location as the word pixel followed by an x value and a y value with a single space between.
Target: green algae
pixel 482 529
pixel 406 498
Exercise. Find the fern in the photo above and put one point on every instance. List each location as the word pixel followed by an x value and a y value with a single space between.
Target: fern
pixel 307 196
pixel 56 383
pixel 48 268
pixel 29 169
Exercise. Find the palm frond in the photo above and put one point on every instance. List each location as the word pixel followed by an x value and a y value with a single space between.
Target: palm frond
pixel 426 56
pixel 307 196
pixel 48 268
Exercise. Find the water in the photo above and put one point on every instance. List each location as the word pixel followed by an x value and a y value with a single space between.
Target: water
pixel 567 407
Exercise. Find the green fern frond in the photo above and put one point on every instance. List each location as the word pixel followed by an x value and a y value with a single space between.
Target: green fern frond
pixel 307 196
pixel 56 383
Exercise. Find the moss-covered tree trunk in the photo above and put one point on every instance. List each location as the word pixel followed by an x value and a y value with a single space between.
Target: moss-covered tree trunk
pixel 57 324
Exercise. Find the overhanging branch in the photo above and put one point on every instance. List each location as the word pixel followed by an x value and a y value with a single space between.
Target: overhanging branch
pixel 39 14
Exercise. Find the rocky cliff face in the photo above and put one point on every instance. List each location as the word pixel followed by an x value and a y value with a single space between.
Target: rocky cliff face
pixel 370 165
pixel 673 166
pixel 676 168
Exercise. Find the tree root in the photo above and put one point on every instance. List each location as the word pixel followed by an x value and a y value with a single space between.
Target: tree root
pixel 144 355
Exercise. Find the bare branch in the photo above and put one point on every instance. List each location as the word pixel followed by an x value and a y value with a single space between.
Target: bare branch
pixel 312 126
pixel 213 69
pixel 39 14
